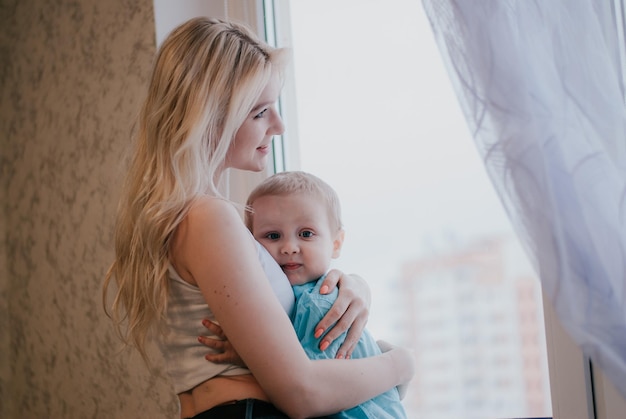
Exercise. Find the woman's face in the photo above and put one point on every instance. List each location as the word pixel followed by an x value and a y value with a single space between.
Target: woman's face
pixel 253 142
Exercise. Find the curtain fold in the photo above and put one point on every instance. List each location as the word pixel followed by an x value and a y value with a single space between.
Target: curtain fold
pixel 542 91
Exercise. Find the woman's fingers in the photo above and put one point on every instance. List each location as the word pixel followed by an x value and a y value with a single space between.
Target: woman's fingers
pixel 214 328
pixel 223 351
pixel 330 281
pixel 349 312
pixel 212 342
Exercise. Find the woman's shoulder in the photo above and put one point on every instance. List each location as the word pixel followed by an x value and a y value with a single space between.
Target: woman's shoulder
pixel 210 226
pixel 208 203
pixel 215 218
pixel 212 211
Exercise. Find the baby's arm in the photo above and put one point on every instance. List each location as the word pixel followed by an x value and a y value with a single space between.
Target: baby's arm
pixel 215 249
pixel 349 312
pixel 311 307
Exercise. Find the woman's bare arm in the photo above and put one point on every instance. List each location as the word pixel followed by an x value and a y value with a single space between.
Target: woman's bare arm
pixel 215 251
pixel 350 312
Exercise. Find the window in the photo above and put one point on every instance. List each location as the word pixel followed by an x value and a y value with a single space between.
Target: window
pixel 377 119
pixel 362 69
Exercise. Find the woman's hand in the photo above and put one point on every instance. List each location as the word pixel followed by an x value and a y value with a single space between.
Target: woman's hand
pixel 408 364
pixel 350 311
pixel 226 353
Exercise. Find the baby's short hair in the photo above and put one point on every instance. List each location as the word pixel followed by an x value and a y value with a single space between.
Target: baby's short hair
pixel 285 183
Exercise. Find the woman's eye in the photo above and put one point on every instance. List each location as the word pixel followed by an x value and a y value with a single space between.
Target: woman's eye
pixel 273 236
pixel 260 114
pixel 307 234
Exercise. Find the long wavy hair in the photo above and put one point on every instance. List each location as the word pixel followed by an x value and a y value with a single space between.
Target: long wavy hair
pixel 206 78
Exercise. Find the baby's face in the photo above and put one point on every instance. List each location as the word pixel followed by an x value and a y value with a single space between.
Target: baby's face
pixel 295 230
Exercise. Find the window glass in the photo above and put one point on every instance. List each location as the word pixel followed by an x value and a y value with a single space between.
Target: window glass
pixel 377 119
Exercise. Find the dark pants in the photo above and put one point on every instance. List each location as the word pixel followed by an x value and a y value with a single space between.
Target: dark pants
pixel 244 409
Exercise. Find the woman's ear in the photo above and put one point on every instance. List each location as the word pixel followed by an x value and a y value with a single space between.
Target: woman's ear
pixel 338 242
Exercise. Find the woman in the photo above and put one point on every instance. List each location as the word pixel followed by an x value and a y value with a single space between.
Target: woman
pixel 183 252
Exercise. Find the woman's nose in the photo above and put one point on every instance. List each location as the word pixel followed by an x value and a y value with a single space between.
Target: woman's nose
pixel 277 127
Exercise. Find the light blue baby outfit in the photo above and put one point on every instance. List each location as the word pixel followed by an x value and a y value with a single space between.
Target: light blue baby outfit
pixel 311 306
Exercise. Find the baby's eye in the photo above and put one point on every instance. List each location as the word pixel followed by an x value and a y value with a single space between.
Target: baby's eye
pixel 307 234
pixel 272 236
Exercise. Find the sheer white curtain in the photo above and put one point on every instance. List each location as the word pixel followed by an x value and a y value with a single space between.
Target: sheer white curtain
pixel 542 90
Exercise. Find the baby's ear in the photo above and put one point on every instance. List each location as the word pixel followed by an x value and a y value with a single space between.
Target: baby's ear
pixel 338 242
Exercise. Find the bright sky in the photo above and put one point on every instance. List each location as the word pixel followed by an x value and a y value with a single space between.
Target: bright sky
pixel 378 120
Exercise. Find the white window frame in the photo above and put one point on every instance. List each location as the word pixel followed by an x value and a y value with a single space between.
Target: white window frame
pixel 578 390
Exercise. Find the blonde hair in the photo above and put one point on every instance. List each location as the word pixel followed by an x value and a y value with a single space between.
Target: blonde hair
pixel 206 78
pixel 286 183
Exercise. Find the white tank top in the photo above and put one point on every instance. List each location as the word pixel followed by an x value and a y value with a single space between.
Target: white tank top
pixel 184 355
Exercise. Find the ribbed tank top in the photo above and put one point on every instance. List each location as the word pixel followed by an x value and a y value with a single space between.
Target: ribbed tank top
pixel 184 355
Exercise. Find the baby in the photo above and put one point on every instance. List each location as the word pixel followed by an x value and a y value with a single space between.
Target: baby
pixel 297 218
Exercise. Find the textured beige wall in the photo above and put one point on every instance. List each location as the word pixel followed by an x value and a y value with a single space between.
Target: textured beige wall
pixel 72 74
